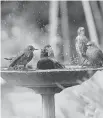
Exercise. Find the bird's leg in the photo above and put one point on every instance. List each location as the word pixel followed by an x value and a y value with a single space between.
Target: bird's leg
pixel 16 67
pixel 83 62
pixel 24 67
pixel 13 68
pixel 10 68
pixel 86 62
pixel 19 67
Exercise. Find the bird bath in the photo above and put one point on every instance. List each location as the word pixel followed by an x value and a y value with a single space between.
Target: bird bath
pixel 44 82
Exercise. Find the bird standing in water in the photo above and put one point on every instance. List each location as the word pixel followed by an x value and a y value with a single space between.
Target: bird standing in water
pixel 81 41
pixel 94 55
pixel 23 58
pixel 48 60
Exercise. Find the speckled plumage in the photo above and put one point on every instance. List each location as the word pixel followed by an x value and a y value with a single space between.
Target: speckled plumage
pixel 80 42
pixel 23 58
pixel 81 47
pixel 94 55
pixel 47 51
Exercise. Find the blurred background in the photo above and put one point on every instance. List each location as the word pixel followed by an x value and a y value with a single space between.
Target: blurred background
pixel 56 23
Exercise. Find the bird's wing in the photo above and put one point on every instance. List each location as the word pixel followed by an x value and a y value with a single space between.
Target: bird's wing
pixel 45 63
pixel 83 47
pixel 57 64
pixel 86 39
pixel 51 54
pixel 15 60
pixel 77 45
pixel 101 55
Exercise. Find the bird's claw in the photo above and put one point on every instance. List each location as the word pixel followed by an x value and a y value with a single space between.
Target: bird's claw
pixel 23 68
pixel 19 68
pixel 13 68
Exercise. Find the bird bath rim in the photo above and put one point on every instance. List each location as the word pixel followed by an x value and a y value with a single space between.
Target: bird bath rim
pixel 52 70
pixel 48 78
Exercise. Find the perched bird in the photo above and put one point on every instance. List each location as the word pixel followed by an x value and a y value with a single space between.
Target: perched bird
pixel 94 55
pixel 47 59
pixel 23 58
pixel 80 43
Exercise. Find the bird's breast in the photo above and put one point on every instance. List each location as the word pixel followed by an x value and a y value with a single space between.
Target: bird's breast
pixel 26 58
pixel 45 63
pixel 93 54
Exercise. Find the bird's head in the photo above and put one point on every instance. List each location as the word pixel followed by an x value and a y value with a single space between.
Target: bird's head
pixel 90 44
pixel 31 48
pixel 81 31
pixel 47 47
pixel 47 51
pixel 50 51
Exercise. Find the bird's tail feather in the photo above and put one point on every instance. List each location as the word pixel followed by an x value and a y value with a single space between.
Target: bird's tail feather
pixel 8 58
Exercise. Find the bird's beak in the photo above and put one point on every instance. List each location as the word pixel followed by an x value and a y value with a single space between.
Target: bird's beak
pixel 36 49
pixel 88 44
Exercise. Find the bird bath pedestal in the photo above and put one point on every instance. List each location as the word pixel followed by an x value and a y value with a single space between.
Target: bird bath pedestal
pixel 44 83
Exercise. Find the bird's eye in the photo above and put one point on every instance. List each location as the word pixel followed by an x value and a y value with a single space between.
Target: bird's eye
pixel 30 48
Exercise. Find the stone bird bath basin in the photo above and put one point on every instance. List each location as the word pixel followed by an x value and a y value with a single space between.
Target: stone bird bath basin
pixel 44 82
